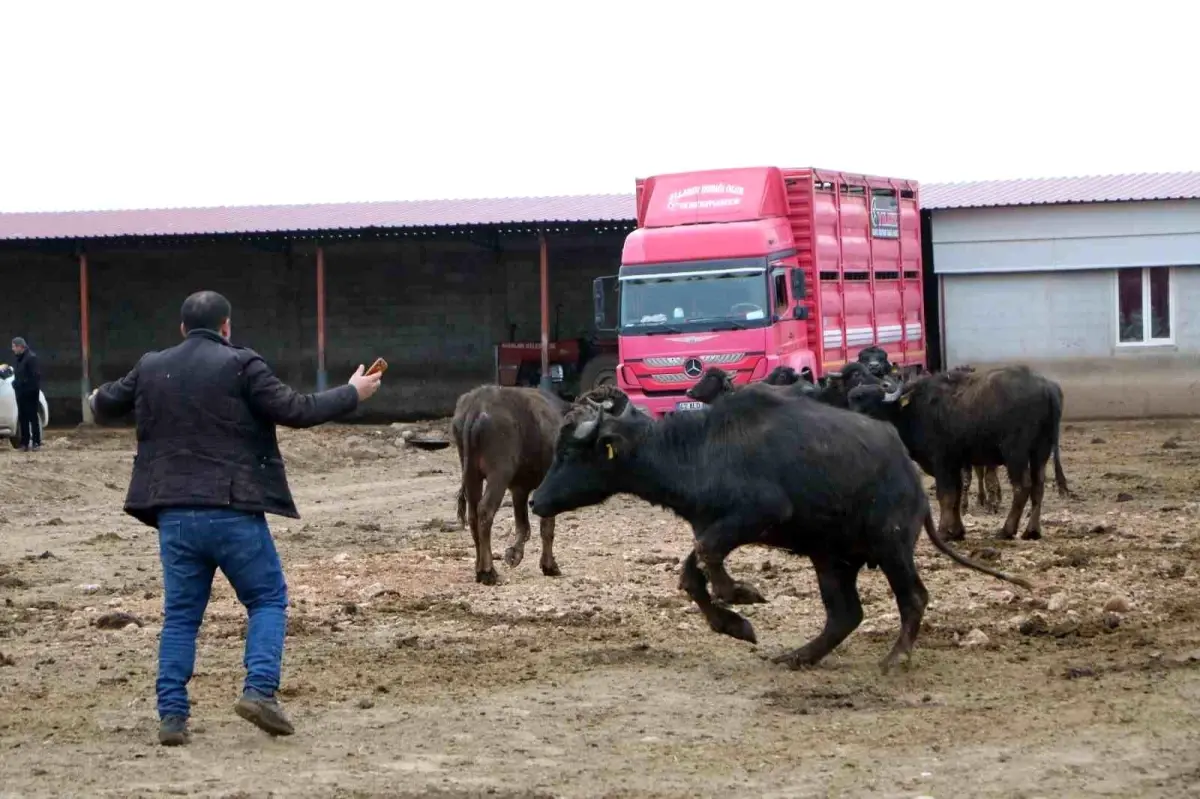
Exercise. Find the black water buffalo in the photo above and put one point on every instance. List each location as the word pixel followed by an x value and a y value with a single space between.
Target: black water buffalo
pixel 782 376
pixel 835 385
pixel 787 376
pixel 760 467
pixel 990 495
pixel 835 392
pixel 504 436
pixel 1006 417
pixel 876 360
pixel 716 382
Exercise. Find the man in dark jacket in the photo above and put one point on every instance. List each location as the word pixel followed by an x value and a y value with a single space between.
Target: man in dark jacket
pixel 27 386
pixel 207 469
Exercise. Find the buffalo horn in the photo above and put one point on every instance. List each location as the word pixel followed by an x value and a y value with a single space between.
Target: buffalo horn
pixel 584 429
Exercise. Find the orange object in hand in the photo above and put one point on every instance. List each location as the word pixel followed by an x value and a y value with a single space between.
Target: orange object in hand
pixel 379 366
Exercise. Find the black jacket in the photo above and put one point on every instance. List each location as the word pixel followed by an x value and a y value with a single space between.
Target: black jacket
pixel 27 377
pixel 206 414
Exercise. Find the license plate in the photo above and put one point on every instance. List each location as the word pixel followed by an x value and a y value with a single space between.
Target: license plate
pixel 688 406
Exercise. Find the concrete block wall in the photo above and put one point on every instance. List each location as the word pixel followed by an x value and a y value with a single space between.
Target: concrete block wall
pixel 433 307
pixel 136 296
pixel 1064 325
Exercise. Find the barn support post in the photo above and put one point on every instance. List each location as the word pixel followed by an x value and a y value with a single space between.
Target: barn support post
pixel 322 375
pixel 544 271
pixel 85 340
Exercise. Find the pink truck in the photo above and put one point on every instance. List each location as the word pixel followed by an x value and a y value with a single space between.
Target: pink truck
pixel 750 269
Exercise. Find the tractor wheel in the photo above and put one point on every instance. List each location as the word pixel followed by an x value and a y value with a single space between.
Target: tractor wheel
pixel 599 371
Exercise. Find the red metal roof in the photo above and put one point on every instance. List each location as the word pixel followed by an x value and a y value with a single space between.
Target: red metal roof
pixel 295 218
pixel 531 210
pixel 1056 191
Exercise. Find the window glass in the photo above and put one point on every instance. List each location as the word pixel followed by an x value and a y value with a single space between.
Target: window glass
pixel 1160 303
pixel 1129 306
pixel 781 295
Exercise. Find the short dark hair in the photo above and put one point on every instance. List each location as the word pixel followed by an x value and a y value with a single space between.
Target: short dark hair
pixel 205 310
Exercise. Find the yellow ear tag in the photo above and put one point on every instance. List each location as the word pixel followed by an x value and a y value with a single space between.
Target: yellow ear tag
pixel 611 454
pixel 904 400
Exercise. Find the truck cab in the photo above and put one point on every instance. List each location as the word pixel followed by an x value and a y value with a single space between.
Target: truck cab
pixel 748 270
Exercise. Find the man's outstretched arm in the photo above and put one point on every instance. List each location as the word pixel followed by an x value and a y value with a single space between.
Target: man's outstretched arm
pixel 273 399
pixel 114 400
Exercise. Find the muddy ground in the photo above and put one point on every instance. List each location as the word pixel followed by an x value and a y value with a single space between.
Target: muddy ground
pixel 406 678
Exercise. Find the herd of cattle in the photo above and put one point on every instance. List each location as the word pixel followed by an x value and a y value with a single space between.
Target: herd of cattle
pixel 823 470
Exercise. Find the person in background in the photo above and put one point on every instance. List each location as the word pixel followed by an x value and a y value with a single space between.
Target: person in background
pixel 27 386
pixel 207 469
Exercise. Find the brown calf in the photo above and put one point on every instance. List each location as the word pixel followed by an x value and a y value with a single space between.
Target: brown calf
pixel 504 437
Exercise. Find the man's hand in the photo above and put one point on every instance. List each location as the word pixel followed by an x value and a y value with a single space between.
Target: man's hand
pixel 365 385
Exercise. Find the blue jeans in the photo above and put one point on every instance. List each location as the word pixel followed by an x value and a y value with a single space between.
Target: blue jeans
pixel 193 544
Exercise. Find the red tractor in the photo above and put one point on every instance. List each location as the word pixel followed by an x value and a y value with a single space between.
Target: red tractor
pixel 576 365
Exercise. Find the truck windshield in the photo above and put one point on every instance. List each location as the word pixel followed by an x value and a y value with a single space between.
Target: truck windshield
pixel 697 299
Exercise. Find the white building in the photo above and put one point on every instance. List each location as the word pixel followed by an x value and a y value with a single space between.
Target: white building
pixel 1094 282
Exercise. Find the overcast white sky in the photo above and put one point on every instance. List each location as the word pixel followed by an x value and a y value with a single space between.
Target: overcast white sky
pixel 160 104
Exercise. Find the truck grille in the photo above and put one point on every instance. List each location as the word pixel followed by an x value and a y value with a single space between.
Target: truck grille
pixel 677 360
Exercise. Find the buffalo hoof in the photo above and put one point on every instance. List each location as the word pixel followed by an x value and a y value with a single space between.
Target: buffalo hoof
pixel 513 557
pixel 1006 535
pixel 744 594
pixel 487 578
pixel 797 658
pixel 1032 535
pixel 889 663
pixel 551 570
pixel 735 626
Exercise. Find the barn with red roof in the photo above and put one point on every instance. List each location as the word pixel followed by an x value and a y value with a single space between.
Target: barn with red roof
pixel 433 286
pixel 1091 280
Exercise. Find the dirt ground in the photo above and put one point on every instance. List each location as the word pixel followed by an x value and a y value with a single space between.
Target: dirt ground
pixel 406 678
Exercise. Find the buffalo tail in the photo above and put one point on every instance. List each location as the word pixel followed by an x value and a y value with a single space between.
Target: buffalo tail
pixel 962 561
pixel 1060 478
pixel 471 428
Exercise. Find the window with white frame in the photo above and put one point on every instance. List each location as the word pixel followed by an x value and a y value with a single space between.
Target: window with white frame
pixel 1144 305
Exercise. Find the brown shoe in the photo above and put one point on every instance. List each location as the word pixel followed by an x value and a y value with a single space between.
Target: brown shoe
pixel 264 713
pixel 173 731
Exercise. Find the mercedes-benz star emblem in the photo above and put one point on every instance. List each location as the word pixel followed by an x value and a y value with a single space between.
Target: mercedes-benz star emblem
pixel 692 367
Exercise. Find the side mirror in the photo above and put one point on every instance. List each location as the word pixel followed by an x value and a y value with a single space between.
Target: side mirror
pixel 598 301
pixel 799 290
pixel 800 312
pixel 599 286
